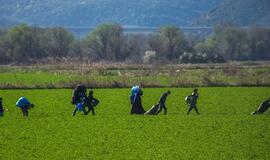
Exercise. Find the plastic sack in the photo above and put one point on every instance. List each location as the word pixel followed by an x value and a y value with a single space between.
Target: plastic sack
pixel 134 92
pixel 79 106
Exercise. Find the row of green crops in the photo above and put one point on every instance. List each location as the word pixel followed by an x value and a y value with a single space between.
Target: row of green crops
pixel 224 130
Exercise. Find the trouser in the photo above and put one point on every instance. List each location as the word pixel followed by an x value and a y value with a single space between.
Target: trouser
pixel 162 106
pixel 76 109
pixel 91 109
pixel 1 114
pixel 24 111
pixel 94 102
pixel 193 106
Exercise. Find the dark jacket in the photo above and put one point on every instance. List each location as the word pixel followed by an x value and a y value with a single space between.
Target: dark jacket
pixel 194 98
pixel 1 107
pixel 163 98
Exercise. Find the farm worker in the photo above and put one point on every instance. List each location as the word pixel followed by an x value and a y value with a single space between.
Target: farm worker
pixel 78 95
pixel 1 107
pixel 24 104
pixel 162 101
pixel 136 101
pixel 262 107
pixel 91 102
pixel 153 110
pixel 192 101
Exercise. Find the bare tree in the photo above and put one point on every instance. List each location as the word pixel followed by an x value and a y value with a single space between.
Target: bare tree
pixel 107 41
pixel 171 39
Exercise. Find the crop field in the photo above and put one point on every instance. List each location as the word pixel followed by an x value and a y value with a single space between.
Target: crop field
pixel 124 76
pixel 224 130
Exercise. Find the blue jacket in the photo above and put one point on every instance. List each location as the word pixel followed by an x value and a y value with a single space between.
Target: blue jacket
pixel 22 102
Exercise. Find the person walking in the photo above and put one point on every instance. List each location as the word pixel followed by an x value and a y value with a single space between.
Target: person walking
pixel 162 101
pixel 136 101
pixel 91 102
pixel 193 101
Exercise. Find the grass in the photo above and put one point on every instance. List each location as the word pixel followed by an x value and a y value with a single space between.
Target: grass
pixel 118 76
pixel 224 130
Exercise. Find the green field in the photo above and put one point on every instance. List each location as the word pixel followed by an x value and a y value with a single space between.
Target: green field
pixel 117 75
pixel 224 130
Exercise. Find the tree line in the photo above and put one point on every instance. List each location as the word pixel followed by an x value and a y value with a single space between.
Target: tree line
pixel 26 44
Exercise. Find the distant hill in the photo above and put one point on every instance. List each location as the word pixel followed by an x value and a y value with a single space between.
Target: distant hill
pixel 238 12
pixel 94 12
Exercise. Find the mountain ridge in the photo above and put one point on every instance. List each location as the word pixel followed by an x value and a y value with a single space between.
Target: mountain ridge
pixel 147 13
pixel 92 12
pixel 239 13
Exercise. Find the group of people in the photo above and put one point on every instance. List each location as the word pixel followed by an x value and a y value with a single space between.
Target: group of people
pixel 82 101
pixel 86 103
pixel 137 108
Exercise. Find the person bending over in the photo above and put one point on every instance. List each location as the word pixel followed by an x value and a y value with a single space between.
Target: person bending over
pixel 24 104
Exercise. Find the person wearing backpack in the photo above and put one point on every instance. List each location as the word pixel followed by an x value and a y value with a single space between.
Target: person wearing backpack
pixel 136 101
pixel 192 101
pixel 78 95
